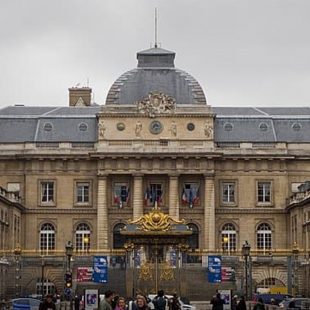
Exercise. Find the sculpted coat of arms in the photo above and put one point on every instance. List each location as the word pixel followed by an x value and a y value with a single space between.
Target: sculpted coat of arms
pixel 156 103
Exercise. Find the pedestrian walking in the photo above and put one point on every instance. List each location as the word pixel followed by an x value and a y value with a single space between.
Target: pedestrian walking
pixel 241 304
pixel 217 302
pixel 160 301
pixel 121 304
pixel 259 305
pixel 141 303
pixel 48 303
pixel 174 303
pixel 106 303
pixel 234 303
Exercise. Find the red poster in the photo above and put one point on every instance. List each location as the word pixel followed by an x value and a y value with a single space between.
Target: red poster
pixel 84 274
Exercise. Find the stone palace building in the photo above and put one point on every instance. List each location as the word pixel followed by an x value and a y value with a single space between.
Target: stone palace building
pixel 78 173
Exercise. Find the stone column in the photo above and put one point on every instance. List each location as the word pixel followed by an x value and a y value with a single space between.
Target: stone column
pixel 209 218
pixel 102 214
pixel 137 196
pixel 174 196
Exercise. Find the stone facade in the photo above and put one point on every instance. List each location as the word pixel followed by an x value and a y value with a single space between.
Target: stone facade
pixel 82 173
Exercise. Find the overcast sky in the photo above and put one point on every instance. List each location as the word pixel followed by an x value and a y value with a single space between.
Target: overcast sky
pixel 242 52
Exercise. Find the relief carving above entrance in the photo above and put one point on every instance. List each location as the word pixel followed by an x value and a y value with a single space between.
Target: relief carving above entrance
pixel 156 103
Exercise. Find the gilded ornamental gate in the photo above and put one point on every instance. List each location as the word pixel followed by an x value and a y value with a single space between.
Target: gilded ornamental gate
pixel 155 246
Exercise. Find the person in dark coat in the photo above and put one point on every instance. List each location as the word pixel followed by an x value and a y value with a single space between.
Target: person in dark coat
pixel 174 303
pixel 234 302
pixel 259 305
pixel 241 304
pixel 217 302
pixel 47 304
pixel 160 301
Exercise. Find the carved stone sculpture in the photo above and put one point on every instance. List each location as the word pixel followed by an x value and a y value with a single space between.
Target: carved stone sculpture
pixel 208 131
pixel 102 130
pixel 156 103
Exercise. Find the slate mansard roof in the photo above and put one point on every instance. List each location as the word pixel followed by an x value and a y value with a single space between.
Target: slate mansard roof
pixel 155 72
pixel 19 124
pixel 48 124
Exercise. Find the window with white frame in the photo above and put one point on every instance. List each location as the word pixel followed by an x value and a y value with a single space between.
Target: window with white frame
pixel 82 192
pixel 263 235
pixel 228 192
pixel 47 237
pixel 47 192
pixel 48 287
pixel 228 237
pixel 264 192
pixel 82 237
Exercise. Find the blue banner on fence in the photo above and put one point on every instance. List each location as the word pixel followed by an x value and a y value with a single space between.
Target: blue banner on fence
pixel 100 274
pixel 214 269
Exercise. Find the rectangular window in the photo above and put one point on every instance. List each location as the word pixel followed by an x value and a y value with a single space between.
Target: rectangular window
pixel 264 240
pixel 47 241
pixel 47 192
pixel 82 190
pixel 264 192
pixel 228 192
pixel 121 194
pixel 155 193
pixel 229 241
pixel 190 194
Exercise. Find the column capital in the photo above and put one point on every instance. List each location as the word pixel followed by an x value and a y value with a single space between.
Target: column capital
pixel 209 175
pixel 173 175
pixel 102 175
pixel 138 175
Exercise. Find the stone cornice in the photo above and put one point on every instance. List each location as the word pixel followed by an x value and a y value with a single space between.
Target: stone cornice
pixel 257 210
pixel 54 210
pixel 196 114
pixel 150 154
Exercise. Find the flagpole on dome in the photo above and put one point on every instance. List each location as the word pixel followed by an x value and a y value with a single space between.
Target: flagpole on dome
pixel 155 45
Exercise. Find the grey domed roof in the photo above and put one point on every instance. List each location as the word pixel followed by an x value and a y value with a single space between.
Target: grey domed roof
pixel 155 72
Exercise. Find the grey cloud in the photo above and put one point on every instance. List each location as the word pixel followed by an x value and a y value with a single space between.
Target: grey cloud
pixel 242 52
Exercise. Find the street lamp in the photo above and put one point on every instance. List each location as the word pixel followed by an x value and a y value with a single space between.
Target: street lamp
pixel 130 248
pixel 69 253
pixel 295 251
pixel 42 276
pixel 68 275
pixel 17 253
pixel 246 249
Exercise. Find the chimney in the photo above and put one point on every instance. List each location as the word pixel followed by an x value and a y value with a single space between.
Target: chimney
pixel 79 96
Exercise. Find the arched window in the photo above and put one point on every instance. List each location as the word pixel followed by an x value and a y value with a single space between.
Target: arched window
pixel 269 282
pixel 263 237
pixel 228 236
pixel 82 237
pixel 118 239
pixel 193 240
pixel 47 237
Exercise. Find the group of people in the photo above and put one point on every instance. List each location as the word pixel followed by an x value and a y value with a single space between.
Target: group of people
pixel 112 301
pixel 218 302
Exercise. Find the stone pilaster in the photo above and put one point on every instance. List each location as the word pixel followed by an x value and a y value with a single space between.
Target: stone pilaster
pixel 102 214
pixel 174 196
pixel 137 196
pixel 209 214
